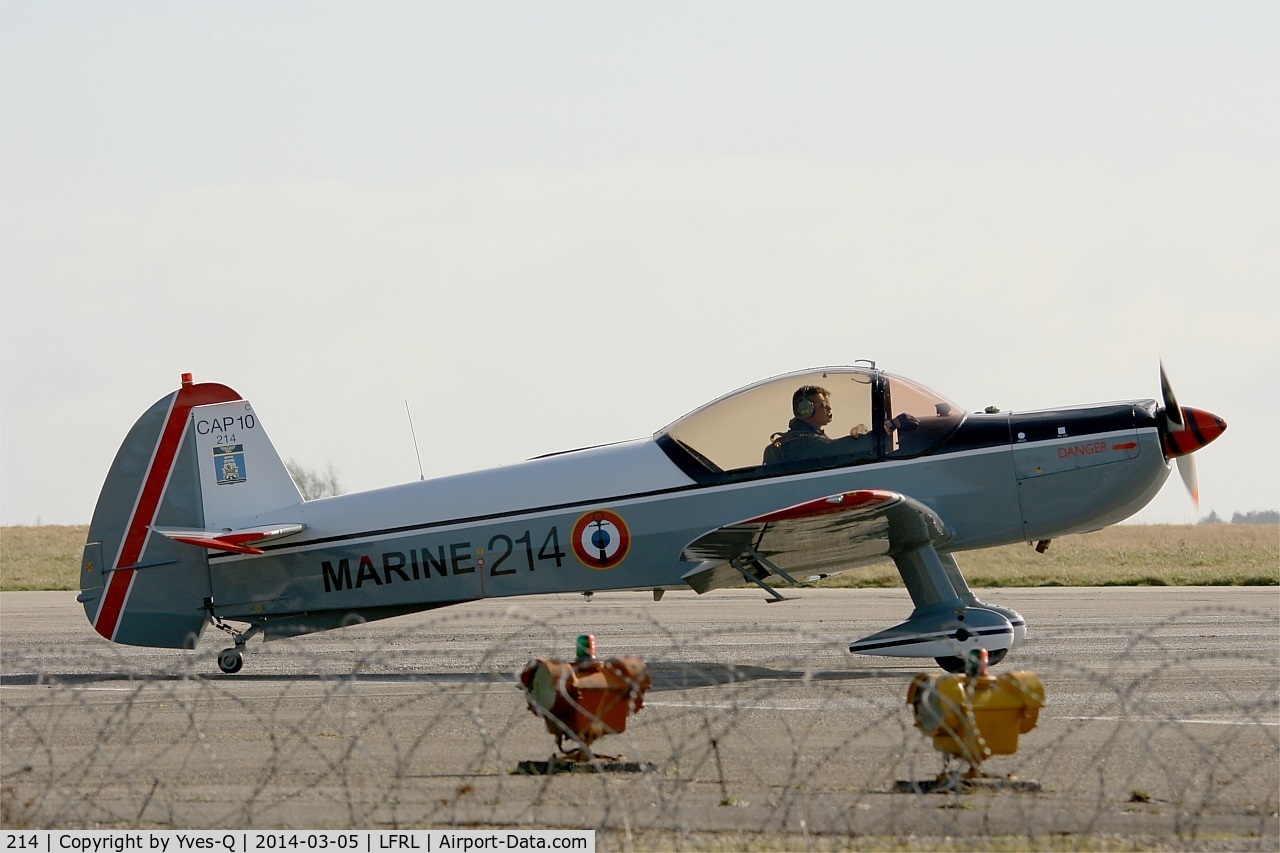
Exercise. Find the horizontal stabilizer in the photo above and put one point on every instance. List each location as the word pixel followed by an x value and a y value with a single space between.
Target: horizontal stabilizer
pixel 235 541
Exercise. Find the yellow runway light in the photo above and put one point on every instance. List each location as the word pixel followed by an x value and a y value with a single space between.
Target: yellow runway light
pixel 976 715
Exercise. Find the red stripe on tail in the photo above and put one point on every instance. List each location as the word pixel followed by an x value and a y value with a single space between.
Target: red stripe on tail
pixel 120 581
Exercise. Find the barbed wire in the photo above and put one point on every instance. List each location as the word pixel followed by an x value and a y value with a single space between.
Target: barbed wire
pixel 754 731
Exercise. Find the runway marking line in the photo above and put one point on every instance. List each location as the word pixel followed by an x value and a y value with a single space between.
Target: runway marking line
pixel 747 707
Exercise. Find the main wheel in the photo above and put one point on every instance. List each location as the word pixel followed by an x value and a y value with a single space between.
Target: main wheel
pixel 230 661
pixel 956 665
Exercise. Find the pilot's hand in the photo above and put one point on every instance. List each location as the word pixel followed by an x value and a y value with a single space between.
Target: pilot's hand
pixel 858 431
pixel 905 422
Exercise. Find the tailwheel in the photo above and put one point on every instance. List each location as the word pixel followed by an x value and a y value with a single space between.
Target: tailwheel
pixel 955 665
pixel 230 661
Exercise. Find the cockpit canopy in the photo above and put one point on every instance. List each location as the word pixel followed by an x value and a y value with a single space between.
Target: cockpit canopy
pixel 733 434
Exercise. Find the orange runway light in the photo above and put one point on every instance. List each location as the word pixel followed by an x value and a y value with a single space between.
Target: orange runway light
pixel 586 699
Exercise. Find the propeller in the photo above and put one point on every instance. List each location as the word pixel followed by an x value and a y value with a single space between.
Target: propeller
pixel 1186 431
pixel 1190 477
pixel 1172 414
pixel 1174 422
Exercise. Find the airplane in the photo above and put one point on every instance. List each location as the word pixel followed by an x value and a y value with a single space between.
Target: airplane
pixel 199 522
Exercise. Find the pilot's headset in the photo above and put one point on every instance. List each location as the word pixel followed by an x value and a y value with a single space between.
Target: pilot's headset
pixel 804 407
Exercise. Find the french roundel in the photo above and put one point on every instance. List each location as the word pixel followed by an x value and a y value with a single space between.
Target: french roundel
pixel 601 539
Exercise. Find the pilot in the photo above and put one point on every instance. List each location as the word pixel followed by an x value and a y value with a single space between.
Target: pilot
pixel 805 438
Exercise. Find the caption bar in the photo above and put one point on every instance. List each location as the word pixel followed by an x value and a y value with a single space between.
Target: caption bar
pixel 289 841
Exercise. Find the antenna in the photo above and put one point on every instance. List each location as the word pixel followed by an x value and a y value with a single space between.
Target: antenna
pixel 413 432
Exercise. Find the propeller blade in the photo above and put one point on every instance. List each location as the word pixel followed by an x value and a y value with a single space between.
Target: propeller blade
pixel 1190 479
pixel 1186 431
pixel 1172 411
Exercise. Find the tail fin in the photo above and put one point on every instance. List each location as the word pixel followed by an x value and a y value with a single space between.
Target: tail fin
pixel 241 474
pixel 195 459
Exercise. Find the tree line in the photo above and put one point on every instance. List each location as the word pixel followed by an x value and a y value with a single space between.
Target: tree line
pixel 1259 516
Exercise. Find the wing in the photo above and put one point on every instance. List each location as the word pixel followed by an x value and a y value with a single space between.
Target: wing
pixel 826 536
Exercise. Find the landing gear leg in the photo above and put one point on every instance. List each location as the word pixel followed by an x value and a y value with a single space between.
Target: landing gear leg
pixel 1016 621
pixel 231 660
pixel 947 618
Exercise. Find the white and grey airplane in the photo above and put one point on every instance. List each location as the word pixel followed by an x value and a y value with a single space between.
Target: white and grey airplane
pixel 799 476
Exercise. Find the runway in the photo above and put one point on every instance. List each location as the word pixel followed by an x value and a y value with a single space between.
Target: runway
pixel 1162 722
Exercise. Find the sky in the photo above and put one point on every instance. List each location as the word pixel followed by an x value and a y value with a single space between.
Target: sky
pixel 548 225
